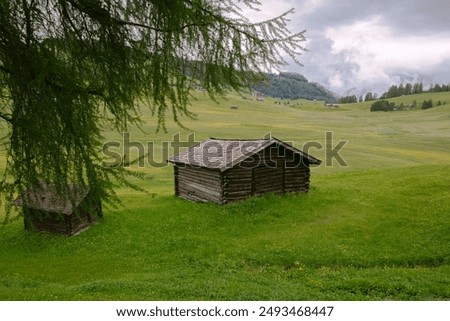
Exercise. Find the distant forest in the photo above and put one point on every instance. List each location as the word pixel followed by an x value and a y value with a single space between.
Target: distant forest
pixel 396 91
pixel 409 89
pixel 286 85
pixel 386 105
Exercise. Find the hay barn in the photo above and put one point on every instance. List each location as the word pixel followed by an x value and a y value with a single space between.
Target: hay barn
pixel 223 171
pixel 44 210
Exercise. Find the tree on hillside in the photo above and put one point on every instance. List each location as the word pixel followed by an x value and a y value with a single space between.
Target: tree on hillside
pixel 382 105
pixel 427 104
pixel 369 96
pixel 292 86
pixel 417 88
pixel 394 91
pixel 348 99
pixel 408 89
pixel 71 68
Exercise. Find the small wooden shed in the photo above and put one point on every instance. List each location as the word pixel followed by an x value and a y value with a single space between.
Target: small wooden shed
pixel 223 171
pixel 47 211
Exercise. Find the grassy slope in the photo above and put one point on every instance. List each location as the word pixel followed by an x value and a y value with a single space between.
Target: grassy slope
pixel 376 229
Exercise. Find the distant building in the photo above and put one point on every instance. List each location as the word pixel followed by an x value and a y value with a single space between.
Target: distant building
pixel 331 105
pixel 259 96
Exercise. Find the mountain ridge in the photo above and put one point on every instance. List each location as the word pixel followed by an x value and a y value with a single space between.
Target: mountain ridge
pixel 291 85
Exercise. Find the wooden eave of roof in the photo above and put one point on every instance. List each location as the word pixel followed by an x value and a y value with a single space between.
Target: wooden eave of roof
pixel 46 198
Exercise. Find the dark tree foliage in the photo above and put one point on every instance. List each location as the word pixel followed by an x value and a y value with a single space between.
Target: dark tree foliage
pixel 439 88
pixel 71 68
pixel 427 104
pixel 382 105
pixel 370 96
pixel 293 76
pixel 348 99
pixel 409 89
pixel 288 85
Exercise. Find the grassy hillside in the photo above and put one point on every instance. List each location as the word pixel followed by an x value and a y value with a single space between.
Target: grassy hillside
pixel 376 229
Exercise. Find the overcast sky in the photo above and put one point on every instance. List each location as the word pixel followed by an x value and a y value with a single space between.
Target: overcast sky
pixel 357 46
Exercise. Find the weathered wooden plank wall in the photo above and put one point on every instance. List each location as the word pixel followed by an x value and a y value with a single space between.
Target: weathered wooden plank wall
pixel 237 184
pixel 199 184
pixel 63 223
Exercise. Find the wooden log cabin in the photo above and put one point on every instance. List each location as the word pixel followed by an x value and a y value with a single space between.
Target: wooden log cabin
pixel 47 211
pixel 223 171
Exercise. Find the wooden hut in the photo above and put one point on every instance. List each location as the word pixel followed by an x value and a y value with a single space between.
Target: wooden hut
pixel 47 211
pixel 224 171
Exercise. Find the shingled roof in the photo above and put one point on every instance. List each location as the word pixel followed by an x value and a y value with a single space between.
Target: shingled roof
pixel 226 153
pixel 46 198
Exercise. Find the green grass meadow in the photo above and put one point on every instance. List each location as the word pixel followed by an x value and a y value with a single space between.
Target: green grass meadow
pixel 375 229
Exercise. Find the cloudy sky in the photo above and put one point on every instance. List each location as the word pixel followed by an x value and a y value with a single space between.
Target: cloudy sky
pixel 355 46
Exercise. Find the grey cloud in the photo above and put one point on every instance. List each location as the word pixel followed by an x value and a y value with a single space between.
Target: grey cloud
pixel 419 17
pixel 403 17
pixel 437 74
pixel 321 65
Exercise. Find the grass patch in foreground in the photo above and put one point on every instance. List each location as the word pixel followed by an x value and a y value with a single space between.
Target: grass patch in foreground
pixel 363 235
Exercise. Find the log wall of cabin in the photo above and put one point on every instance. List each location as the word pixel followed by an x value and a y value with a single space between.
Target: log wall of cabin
pixel 79 221
pixel 199 184
pixel 273 170
pixel 297 174
pixel 67 224
pixel 39 220
pixel 237 184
